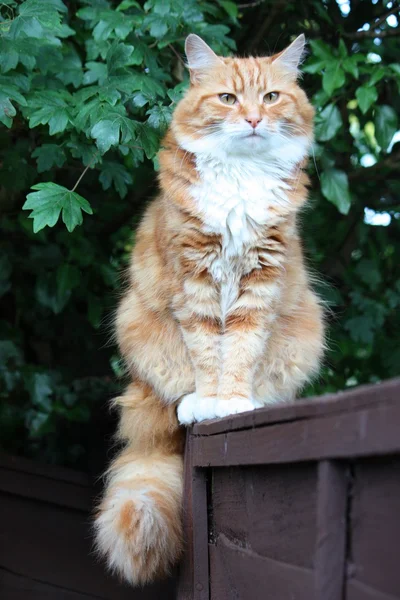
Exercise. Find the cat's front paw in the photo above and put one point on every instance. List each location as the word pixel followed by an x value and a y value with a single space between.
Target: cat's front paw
pixel 193 408
pixel 233 406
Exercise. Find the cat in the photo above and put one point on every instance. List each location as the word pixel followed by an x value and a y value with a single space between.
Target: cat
pixel 219 317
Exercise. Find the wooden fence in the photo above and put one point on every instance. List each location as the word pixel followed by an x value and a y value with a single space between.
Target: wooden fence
pixel 300 502
pixel 46 541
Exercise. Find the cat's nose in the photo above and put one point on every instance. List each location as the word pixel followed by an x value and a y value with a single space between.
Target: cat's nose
pixel 253 121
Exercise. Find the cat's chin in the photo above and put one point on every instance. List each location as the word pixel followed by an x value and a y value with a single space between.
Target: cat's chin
pixel 253 139
pixel 240 145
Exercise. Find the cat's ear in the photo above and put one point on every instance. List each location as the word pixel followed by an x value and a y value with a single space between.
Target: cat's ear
pixel 200 57
pixel 291 57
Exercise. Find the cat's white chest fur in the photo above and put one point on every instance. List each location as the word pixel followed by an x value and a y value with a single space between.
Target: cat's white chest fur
pixel 234 198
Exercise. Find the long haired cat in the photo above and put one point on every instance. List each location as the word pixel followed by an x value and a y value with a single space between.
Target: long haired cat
pixel 219 317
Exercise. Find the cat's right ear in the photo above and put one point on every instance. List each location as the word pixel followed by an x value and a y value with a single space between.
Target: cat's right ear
pixel 200 57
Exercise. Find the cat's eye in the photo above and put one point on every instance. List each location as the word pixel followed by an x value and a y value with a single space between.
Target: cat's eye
pixel 271 97
pixel 228 99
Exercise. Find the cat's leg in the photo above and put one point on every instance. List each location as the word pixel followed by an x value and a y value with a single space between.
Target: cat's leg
pixel 153 348
pixel 247 329
pixel 293 355
pixel 197 309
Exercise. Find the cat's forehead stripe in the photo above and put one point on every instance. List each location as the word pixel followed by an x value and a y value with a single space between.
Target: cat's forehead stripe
pixel 238 80
pixel 246 73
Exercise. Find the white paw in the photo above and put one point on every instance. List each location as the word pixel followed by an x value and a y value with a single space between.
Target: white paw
pixel 232 406
pixel 193 408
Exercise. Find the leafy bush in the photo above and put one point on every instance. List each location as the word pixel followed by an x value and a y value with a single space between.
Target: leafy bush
pixel 86 92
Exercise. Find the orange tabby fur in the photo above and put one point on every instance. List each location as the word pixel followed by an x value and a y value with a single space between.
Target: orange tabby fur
pixel 219 316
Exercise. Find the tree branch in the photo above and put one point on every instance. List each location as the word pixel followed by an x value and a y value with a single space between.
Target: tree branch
pixel 383 18
pixel 371 32
pixel 390 162
pixel 251 4
pixel 266 24
pixel 85 171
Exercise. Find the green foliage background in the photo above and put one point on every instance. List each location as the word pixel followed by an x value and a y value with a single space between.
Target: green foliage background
pixel 86 92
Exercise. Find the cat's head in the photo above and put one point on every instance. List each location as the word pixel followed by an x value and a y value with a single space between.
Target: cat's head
pixel 244 106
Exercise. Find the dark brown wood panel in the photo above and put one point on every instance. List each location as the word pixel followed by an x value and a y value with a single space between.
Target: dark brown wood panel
pixel 17 587
pixel 185 583
pixel 52 472
pixel 53 490
pixel 240 574
pixel 304 500
pixel 365 432
pixel 194 574
pixel 375 527
pixel 46 541
pixel 330 547
pixel 270 510
pixel 200 535
pixel 359 591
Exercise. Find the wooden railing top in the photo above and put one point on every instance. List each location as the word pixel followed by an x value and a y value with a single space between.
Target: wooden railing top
pixel 364 396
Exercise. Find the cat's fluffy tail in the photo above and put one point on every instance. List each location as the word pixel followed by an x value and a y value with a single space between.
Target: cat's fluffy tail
pixel 138 523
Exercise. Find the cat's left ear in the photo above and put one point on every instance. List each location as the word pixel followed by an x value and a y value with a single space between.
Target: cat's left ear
pixel 200 57
pixel 291 57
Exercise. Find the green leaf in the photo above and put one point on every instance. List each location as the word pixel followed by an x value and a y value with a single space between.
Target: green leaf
pixel 177 93
pixel 118 56
pixel 49 201
pixel 377 75
pixel 385 125
pixel 333 78
pixel 159 117
pixel 314 65
pixel 125 4
pixel 350 64
pixel 55 116
pixel 9 352
pixel 366 96
pixel 322 50
pixel 327 123
pixel 335 187
pixel 40 389
pixel 48 156
pixel 7 110
pixel 71 71
pixel 36 422
pixel 96 72
pixel 368 271
pixel 342 49
pixel 231 8
pixel 68 278
pixel 395 67
pixel 113 173
pixel 148 139
pixel 8 60
pixel 361 329
pixel 158 28
pixel 86 152
pixel 8 92
pixel 106 134
pixel 95 310
pixel 35 16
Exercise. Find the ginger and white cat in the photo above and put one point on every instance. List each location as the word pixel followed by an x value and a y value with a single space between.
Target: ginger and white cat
pixel 219 316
